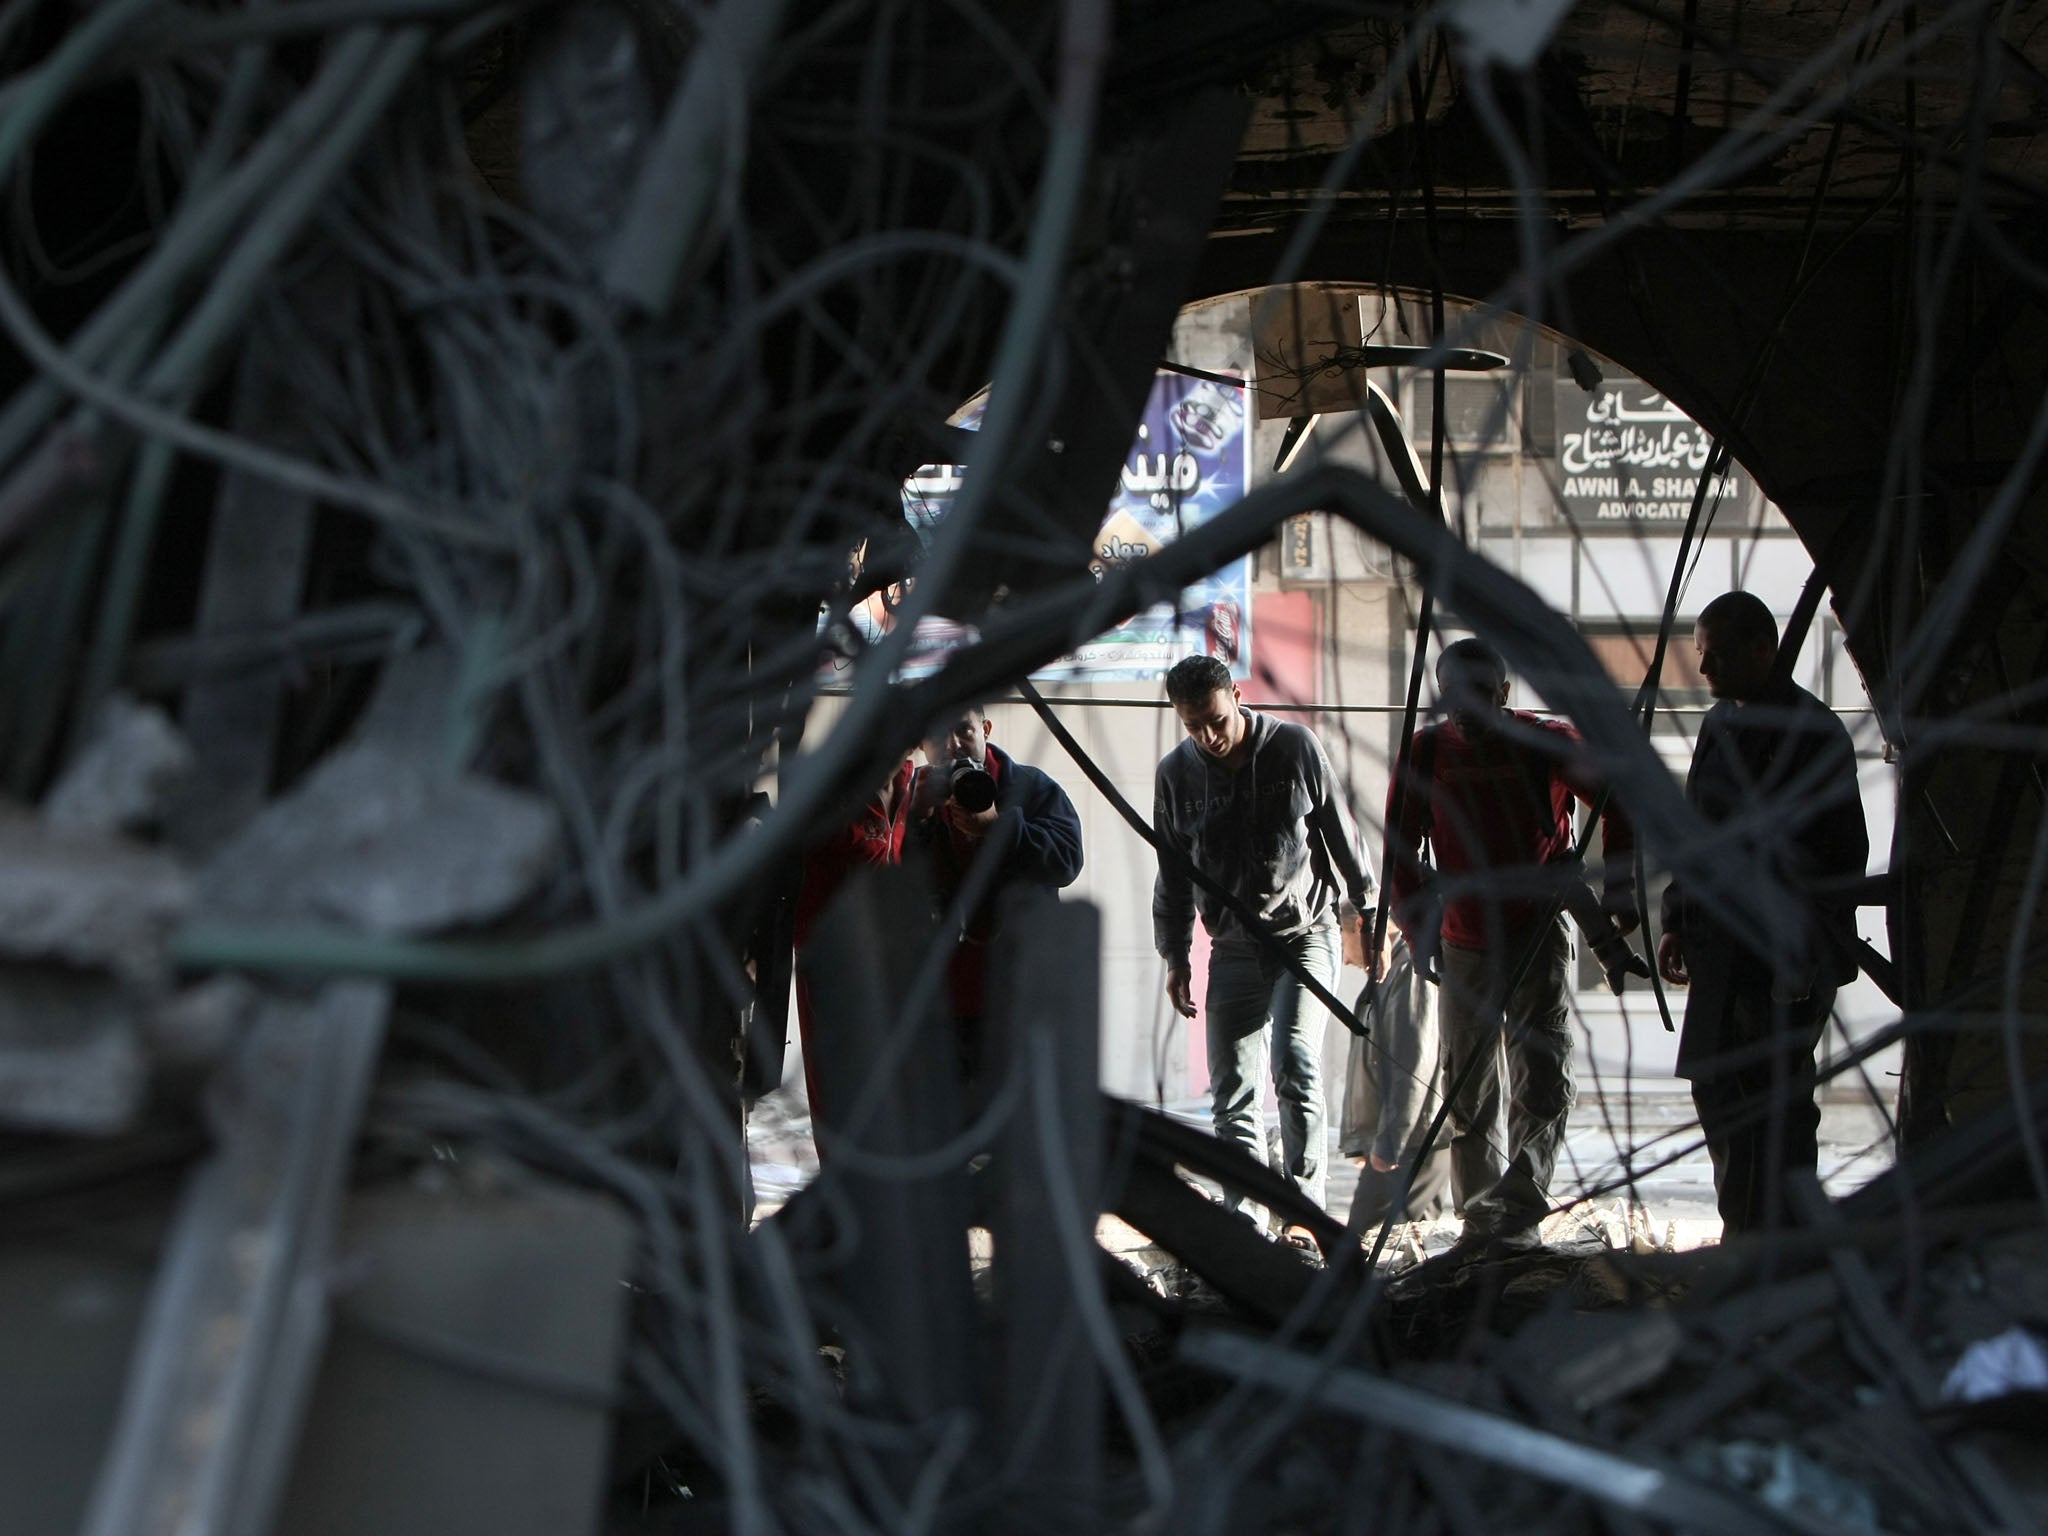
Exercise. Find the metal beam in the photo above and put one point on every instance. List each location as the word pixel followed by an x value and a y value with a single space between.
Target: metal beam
pixel 238 1314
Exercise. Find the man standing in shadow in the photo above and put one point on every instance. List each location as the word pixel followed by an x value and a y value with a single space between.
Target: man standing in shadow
pixel 1775 769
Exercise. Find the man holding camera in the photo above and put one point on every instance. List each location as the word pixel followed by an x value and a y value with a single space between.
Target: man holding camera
pixel 972 803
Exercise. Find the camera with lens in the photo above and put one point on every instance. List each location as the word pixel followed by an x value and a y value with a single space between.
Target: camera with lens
pixel 972 787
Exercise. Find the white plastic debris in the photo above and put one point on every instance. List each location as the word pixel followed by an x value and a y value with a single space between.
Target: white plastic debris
pixel 2013 1361
pixel 1507 32
pixel 1786 1478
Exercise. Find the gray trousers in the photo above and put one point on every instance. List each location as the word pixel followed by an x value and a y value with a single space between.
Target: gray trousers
pixel 1393 1087
pixel 1508 1120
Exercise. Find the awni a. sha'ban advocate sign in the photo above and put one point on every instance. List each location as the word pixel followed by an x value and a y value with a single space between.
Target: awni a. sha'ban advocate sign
pixel 1191 460
pixel 1628 455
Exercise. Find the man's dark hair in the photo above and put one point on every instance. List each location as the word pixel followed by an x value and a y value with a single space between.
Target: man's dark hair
pixel 1741 616
pixel 1193 678
pixel 1471 660
pixel 944 723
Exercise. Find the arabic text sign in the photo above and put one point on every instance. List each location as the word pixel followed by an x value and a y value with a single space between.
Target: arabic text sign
pixel 1626 454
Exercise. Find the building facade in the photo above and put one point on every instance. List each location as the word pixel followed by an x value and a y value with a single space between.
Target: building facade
pixel 1574 477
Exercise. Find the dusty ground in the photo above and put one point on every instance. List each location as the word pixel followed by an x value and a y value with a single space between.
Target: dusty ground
pixel 1674 1203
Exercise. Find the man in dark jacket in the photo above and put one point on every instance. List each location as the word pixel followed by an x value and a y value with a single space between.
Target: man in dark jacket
pixel 1029 828
pixel 1775 767
pixel 1252 803
pixel 1490 791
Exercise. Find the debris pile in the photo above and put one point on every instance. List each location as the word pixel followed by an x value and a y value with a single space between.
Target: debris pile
pixel 1822 1379
pixel 447 451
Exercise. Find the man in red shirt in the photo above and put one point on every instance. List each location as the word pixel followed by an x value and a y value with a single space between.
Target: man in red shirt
pixel 1489 791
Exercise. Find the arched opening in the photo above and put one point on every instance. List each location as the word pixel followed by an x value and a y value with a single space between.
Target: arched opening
pixel 1560 467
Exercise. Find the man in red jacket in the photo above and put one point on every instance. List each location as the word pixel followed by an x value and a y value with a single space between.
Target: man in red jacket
pixel 1489 791
pixel 874 836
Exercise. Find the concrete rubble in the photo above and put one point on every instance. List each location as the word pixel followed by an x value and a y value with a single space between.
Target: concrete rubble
pixel 90 1012
pixel 84 914
pixel 122 780
pixel 462 549
pixel 376 840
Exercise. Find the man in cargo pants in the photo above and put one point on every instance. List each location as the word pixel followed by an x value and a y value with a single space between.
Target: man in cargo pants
pixel 1489 791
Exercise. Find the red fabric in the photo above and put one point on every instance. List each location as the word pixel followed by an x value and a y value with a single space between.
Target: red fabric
pixel 875 836
pixel 1495 803
pixel 968 974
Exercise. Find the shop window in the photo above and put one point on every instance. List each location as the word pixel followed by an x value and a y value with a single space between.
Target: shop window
pixel 1481 412
pixel 1627 660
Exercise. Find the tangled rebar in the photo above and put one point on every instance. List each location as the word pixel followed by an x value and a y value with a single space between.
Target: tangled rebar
pixel 478 421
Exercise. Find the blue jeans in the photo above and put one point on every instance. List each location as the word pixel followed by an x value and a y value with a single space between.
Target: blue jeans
pixel 1249 989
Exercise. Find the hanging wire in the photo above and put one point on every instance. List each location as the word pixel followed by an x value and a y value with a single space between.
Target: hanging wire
pixel 626 507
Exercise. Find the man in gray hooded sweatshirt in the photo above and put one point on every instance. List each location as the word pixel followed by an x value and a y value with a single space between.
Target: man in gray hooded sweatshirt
pixel 1252 803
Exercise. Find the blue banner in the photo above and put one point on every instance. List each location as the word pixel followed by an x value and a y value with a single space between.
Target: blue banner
pixel 1191 460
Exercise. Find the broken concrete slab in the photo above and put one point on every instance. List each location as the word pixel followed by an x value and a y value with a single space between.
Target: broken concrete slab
pixel 195 1028
pixel 81 1049
pixel 123 778
pixel 71 1054
pixel 87 900
pixel 1586 1359
pixel 84 915
pixel 375 839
